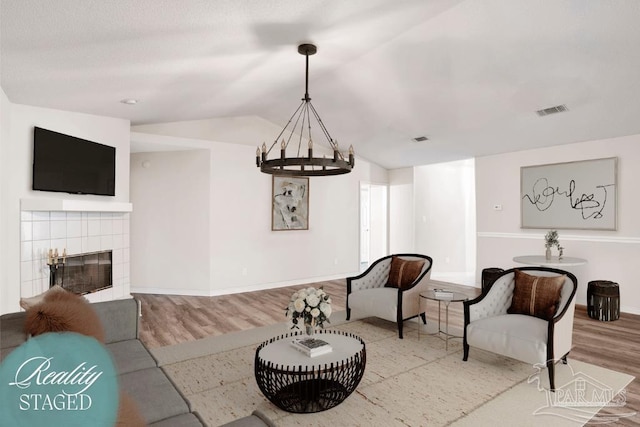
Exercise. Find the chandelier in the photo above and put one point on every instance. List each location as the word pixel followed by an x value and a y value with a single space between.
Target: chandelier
pixel 302 165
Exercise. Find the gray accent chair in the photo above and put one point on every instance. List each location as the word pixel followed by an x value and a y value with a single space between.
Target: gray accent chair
pixel 368 296
pixel 488 326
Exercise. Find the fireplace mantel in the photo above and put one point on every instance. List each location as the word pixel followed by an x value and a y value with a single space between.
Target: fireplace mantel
pixel 68 205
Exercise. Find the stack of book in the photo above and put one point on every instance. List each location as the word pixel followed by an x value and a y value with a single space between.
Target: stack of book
pixel 311 347
pixel 443 293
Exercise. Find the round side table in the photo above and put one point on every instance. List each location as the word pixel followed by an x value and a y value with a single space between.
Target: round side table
pixel 455 297
pixel 556 262
pixel 298 383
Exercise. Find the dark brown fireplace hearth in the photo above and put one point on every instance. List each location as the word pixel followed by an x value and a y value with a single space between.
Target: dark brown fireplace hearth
pixel 85 273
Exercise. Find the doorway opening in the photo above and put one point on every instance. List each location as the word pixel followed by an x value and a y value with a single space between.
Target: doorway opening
pixel 374 208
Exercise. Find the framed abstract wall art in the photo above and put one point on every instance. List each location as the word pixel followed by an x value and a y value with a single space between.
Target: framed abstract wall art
pixel 290 203
pixel 571 195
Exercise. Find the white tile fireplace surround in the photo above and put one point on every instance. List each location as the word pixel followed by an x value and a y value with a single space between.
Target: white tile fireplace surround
pixel 78 232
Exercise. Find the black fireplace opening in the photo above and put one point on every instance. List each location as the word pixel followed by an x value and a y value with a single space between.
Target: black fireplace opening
pixel 86 273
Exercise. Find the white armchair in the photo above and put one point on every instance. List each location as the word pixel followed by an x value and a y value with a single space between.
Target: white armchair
pixel 488 326
pixel 368 295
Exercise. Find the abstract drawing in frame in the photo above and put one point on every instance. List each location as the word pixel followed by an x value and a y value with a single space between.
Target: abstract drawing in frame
pixel 290 203
pixel 572 195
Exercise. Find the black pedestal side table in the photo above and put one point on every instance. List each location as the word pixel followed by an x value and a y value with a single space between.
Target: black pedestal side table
pixel 603 300
pixel 489 275
pixel 298 383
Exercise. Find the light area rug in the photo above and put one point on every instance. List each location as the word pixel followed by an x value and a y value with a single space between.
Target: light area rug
pixel 408 382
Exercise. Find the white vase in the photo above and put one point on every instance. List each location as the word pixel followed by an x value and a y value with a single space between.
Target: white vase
pixel 547 254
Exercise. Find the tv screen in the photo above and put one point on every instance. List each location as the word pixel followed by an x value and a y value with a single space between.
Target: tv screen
pixel 68 164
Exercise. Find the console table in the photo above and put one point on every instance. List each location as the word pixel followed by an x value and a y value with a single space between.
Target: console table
pixel 297 383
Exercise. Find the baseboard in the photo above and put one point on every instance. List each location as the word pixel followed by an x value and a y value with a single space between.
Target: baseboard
pixel 626 310
pixel 166 291
pixel 630 310
pixel 459 278
pixel 435 282
pixel 274 285
pixel 237 289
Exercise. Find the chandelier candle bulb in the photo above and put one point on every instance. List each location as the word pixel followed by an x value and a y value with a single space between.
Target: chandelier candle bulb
pixel 258 157
pixel 282 148
pixel 351 157
pixel 264 152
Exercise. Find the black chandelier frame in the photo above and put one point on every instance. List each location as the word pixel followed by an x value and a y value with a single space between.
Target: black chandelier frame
pixel 302 165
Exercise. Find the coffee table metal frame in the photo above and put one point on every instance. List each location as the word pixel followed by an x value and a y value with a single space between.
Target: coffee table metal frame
pixel 456 297
pixel 312 387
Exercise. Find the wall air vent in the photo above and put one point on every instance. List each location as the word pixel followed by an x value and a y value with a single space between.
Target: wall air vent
pixel 552 110
pixel 420 139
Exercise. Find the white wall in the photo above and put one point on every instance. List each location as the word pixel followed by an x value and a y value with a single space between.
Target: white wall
pixel 170 239
pixel 329 249
pixel 444 219
pixel 104 130
pixel 612 255
pixel 244 253
pixel 401 217
pixel 5 107
pixel 250 130
pixel 17 146
pixel 379 221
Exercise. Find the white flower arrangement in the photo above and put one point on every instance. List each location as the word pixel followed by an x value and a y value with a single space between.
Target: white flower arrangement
pixel 309 306
pixel 551 239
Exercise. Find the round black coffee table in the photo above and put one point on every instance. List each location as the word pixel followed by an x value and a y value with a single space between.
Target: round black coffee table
pixel 298 383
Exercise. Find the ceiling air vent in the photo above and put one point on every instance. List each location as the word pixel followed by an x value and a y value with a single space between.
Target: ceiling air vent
pixel 552 110
pixel 420 139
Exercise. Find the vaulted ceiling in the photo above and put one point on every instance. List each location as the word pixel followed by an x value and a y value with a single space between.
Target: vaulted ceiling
pixel 468 75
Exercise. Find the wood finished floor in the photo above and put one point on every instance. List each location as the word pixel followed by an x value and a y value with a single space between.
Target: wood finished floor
pixel 171 319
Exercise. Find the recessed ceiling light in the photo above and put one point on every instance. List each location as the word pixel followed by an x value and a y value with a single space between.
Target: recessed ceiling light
pixel 129 101
pixel 420 139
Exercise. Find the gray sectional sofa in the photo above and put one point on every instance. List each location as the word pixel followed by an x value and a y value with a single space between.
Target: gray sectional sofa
pixel 159 401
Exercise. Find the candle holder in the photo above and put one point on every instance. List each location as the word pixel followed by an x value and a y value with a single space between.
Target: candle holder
pixel 55 262
pixel 53 272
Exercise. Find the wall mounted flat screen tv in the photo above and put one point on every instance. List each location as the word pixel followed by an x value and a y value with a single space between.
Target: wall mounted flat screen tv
pixel 73 165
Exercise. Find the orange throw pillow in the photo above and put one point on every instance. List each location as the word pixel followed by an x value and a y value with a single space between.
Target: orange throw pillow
pixel 537 296
pixel 403 272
